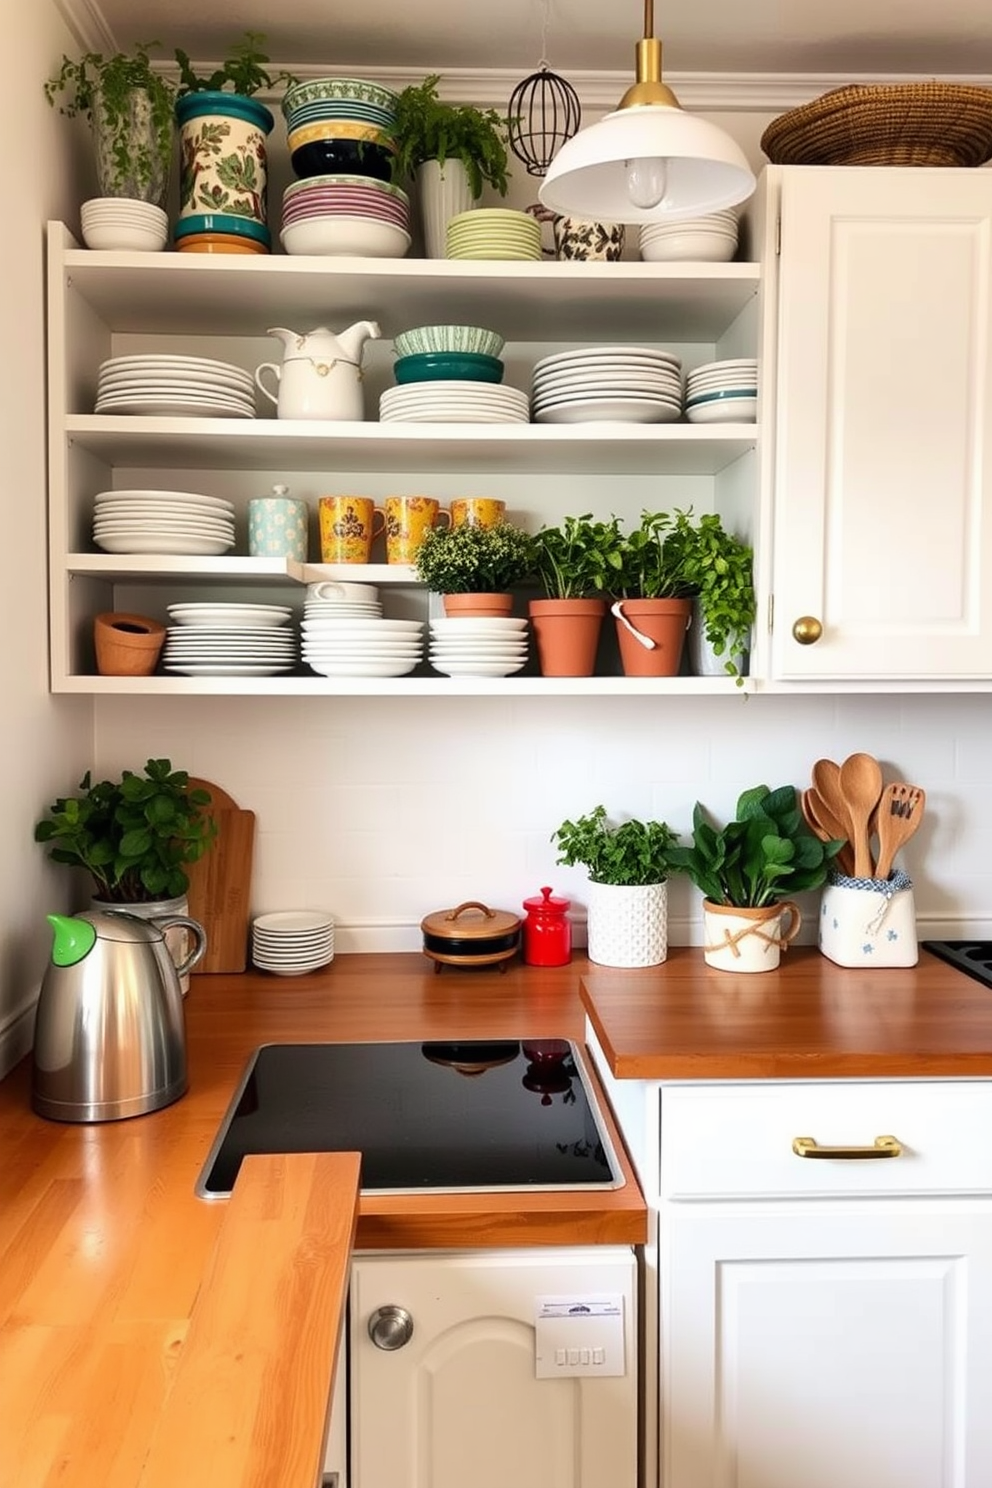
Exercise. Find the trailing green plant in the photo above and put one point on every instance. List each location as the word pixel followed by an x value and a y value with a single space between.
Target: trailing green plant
pixel 718 570
pixel 243 71
pixel 425 128
pixel 766 854
pixel 630 854
pixel 579 559
pixel 102 89
pixel 474 560
pixel 649 561
pixel 132 835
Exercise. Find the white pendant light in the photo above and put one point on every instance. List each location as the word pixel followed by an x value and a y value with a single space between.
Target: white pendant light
pixel 648 161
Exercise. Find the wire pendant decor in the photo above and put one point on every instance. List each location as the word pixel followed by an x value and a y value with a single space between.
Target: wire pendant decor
pixel 543 113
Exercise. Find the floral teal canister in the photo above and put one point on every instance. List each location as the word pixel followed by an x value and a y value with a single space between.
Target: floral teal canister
pixel 223 164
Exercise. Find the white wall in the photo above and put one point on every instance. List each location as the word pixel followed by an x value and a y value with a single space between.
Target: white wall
pixel 46 741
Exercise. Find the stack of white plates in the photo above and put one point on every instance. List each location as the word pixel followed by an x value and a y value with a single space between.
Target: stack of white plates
pixel 486 647
pixel 292 941
pixel 453 401
pixel 711 239
pixel 120 222
pixel 342 609
pixel 357 647
pixel 723 392
pixel 230 640
pixel 175 386
pixel 162 522
pixel 627 384
pixel 493 232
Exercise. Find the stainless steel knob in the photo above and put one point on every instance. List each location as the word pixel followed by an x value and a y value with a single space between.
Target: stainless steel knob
pixel 807 630
pixel 390 1327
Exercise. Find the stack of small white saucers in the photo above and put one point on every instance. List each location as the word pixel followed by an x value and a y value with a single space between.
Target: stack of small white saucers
pixel 453 401
pixel 230 640
pixel 625 384
pixel 343 609
pixel 292 942
pixel 493 232
pixel 485 647
pixel 121 223
pixel 351 646
pixel 723 392
pixel 162 522
pixel 710 239
pixel 175 386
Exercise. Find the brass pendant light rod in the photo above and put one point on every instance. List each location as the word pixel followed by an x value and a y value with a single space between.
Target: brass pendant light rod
pixel 649 88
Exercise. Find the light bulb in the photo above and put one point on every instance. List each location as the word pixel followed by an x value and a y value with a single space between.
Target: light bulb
pixel 647 180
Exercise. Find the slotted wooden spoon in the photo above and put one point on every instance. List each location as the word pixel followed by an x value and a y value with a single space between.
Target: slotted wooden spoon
pixel 900 812
pixel 861 786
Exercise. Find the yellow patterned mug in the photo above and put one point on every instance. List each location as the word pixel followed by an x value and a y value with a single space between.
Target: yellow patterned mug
pixel 408 520
pixel 477 511
pixel 348 527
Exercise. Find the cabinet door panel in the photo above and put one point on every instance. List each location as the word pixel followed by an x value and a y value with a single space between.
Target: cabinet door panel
pixel 883 479
pixel 850 1346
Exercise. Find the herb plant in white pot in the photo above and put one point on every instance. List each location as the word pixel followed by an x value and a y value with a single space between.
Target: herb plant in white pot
pixel 628 867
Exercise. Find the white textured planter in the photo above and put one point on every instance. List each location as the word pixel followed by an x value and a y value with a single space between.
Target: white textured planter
pixel 444 191
pixel 627 926
pixel 703 660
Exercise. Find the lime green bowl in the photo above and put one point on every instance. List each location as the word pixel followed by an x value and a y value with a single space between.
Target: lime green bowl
pixel 436 366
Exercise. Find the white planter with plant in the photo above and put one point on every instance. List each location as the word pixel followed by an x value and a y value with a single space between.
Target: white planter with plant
pixel 716 567
pixel 628 867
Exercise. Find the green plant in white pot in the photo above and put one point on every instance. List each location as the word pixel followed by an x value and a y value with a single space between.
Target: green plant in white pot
pixel 716 567
pixel 628 867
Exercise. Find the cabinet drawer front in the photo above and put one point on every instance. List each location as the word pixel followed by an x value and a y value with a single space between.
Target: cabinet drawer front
pixel 736 1140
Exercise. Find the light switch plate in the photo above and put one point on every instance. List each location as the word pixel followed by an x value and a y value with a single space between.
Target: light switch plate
pixel 579 1335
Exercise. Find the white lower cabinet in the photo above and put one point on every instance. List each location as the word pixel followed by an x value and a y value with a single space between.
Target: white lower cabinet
pixel 458 1401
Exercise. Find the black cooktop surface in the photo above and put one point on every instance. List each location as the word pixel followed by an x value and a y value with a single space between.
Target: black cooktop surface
pixel 971 956
pixel 425 1116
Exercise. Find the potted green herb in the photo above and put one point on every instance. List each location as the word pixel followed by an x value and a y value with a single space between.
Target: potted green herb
pixel 628 867
pixel 717 568
pixel 451 150
pixel 223 159
pixel 133 835
pixel 483 563
pixel 652 598
pixel 747 872
pixel 576 565
pixel 129 107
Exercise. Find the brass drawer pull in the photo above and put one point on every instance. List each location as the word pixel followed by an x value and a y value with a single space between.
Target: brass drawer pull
pixel 881 1147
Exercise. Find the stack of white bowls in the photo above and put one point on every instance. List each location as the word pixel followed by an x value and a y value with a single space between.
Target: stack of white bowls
pixel 723 392
pixel 292 941
pixel 117 222
pixel 484 647
pixel 711 239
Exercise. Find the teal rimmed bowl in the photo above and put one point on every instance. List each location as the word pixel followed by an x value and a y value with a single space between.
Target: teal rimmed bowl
pixel 445 365
pixel 221 222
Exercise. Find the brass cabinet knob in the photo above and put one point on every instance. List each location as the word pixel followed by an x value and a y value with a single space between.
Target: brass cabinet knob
pixel 807 630
pixel 390 1327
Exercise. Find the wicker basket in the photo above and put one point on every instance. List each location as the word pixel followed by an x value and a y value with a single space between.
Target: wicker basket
pixel 895 124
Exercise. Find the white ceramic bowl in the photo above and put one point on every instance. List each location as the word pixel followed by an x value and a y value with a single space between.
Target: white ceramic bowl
pixel 124 236
pixel 123 208
pixel 330 236
pixel 697 247
pixel 435 338
pixel 724 411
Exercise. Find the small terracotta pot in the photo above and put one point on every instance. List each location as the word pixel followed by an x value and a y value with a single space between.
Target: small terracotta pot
pixel 127 645
pixel 665 622
pixel 567 635
pixel 478 606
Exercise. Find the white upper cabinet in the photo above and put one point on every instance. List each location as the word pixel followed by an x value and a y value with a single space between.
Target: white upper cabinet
pixel 882 450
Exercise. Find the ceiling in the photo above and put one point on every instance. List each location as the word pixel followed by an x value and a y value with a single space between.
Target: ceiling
pixel 864 38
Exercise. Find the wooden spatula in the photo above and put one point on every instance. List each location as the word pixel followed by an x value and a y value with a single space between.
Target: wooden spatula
pixel 900 812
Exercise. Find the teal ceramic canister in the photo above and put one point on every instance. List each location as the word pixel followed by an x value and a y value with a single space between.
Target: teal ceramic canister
pixel 278 526
pixel 223 160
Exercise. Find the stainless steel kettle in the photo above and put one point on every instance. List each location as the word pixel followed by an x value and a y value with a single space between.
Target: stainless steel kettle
pixel 110 1030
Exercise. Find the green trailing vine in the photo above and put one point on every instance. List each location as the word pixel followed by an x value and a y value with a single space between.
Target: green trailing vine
pixel 243 71
pixel 425 128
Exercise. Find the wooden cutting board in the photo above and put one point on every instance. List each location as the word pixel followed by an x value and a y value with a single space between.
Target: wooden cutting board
pixel 220 883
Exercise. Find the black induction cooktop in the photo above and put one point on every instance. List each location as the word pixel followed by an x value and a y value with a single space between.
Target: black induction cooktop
pixel 426 1117
pixel 971 956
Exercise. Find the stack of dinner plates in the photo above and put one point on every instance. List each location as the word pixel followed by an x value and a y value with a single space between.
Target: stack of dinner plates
pixel 230 640
pixel 626 384
pixel 723 392
pixel 165 385
pixel 453 401
pixel 162 522
pixel 352 646
pixel 292 942
pixel 493 232
pixel 485 647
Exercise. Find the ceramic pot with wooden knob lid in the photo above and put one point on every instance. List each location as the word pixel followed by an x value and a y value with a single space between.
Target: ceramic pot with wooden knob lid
pixel 471 935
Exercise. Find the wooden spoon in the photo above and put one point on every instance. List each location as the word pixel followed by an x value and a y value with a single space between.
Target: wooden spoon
pixel 861 787
pixel 826 783
pixel 823 824
pixel 900 812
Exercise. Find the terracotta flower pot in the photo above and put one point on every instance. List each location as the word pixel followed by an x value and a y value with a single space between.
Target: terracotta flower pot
pixel 478 606
pixel 127 645
pixel 662 621
pixel 567 635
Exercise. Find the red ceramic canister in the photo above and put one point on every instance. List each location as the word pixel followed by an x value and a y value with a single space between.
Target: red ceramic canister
pixel 547 931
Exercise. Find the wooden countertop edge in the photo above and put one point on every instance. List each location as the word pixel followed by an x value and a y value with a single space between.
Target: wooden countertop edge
pixel 249 1399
